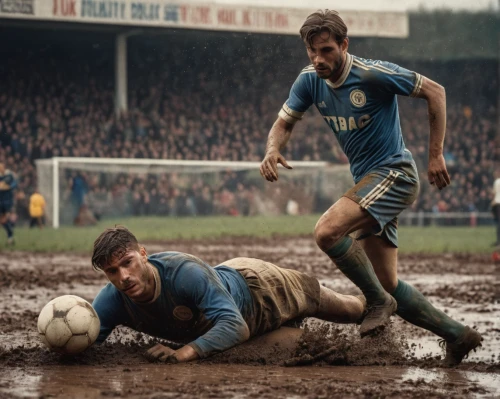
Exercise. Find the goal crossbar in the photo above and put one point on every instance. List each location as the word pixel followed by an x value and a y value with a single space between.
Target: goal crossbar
pixel 52 167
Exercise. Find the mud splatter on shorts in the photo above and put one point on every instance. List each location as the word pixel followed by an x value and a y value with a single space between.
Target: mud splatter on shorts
pixel 279 294
pixel 385 192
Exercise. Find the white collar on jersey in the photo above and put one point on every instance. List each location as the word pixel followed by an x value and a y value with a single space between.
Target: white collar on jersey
pixel 156 276
pixel 345 73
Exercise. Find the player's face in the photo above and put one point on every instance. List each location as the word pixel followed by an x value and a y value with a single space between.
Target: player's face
pixel 132 275
pixel 327 56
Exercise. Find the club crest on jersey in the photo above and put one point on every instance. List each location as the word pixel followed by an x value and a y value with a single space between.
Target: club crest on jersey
pixel 183 313
pixel 358 98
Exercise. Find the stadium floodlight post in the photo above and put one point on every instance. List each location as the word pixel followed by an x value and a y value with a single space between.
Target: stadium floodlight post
pixel 121 73
pixel 121 89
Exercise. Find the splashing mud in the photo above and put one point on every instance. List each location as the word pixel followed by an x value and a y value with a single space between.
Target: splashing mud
pixel 318 360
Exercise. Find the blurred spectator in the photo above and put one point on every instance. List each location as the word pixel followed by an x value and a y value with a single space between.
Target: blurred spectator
pixel 202 97
pixel 85 217
pixel 496 205
pixel 37 209
pixel 79 189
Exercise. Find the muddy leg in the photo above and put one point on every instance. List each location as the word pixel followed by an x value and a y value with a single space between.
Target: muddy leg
pixel 340 308
pixel 412 305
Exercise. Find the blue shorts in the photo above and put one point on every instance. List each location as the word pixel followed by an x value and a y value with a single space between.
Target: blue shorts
pixel 6 206
pixel 384 193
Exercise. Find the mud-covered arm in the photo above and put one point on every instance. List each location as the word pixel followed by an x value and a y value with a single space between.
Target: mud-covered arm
pixel 278 137
pixel 201 286
pixel 436 104
pixel 292 111
pixel 111 311
pixel 393 79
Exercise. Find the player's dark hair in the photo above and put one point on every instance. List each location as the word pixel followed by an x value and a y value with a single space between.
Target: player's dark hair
pixel 323 21
pixel 112 243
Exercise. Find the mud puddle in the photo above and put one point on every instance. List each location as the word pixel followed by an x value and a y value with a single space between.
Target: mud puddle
pixel 229 381
pixel 403 364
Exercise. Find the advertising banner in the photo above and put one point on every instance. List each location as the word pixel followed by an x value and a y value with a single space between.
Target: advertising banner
pixel 210 16
pixel 17 7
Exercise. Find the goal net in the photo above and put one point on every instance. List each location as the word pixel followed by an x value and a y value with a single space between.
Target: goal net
pixel 82 190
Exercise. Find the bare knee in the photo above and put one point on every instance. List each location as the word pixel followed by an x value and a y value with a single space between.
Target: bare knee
pixel 326 235
pixel 341 219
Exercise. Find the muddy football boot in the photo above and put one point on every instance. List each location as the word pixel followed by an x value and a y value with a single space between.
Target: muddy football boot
pixel 456 351
pixel 378 316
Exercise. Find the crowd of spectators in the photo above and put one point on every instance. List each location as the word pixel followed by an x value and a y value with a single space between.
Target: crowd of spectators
pixel 199 98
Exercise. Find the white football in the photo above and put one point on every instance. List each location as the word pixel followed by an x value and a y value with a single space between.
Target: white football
pixel 68 324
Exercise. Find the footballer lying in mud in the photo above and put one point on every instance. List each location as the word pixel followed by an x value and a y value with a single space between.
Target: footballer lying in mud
pixel 178 297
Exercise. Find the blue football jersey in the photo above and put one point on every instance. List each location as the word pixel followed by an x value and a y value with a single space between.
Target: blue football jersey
pixel 194 303
pixel 8 183
pixel 361 108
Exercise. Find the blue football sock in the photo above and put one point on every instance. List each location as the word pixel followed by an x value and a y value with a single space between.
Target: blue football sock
pixel 352 260
pixel 416 309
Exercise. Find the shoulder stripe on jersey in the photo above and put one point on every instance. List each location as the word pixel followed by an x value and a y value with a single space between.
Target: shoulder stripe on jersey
pixel 419 79
pixel 310 66
pixel 308 70
pixel 376 64
pixel 376 67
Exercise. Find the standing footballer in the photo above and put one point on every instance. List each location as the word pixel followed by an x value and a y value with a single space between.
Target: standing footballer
pixel 7 185
pixel 357 99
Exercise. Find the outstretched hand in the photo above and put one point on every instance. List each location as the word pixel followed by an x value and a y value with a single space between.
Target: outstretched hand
pixel 437 173
pixel 269 166
pixel 161 353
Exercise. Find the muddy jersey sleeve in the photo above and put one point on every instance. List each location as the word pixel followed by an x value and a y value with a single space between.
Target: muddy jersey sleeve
pixel 393 79
pixel 111 311
pixel 200 286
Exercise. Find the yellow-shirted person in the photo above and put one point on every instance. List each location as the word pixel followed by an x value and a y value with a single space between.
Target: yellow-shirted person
pixel 37 209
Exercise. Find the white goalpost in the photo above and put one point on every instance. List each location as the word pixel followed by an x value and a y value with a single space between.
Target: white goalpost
pixel 122 187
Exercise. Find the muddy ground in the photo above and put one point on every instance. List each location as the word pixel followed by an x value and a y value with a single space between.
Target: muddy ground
pixel 404 362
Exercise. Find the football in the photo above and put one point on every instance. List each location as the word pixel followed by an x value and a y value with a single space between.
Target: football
pixel 68 324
